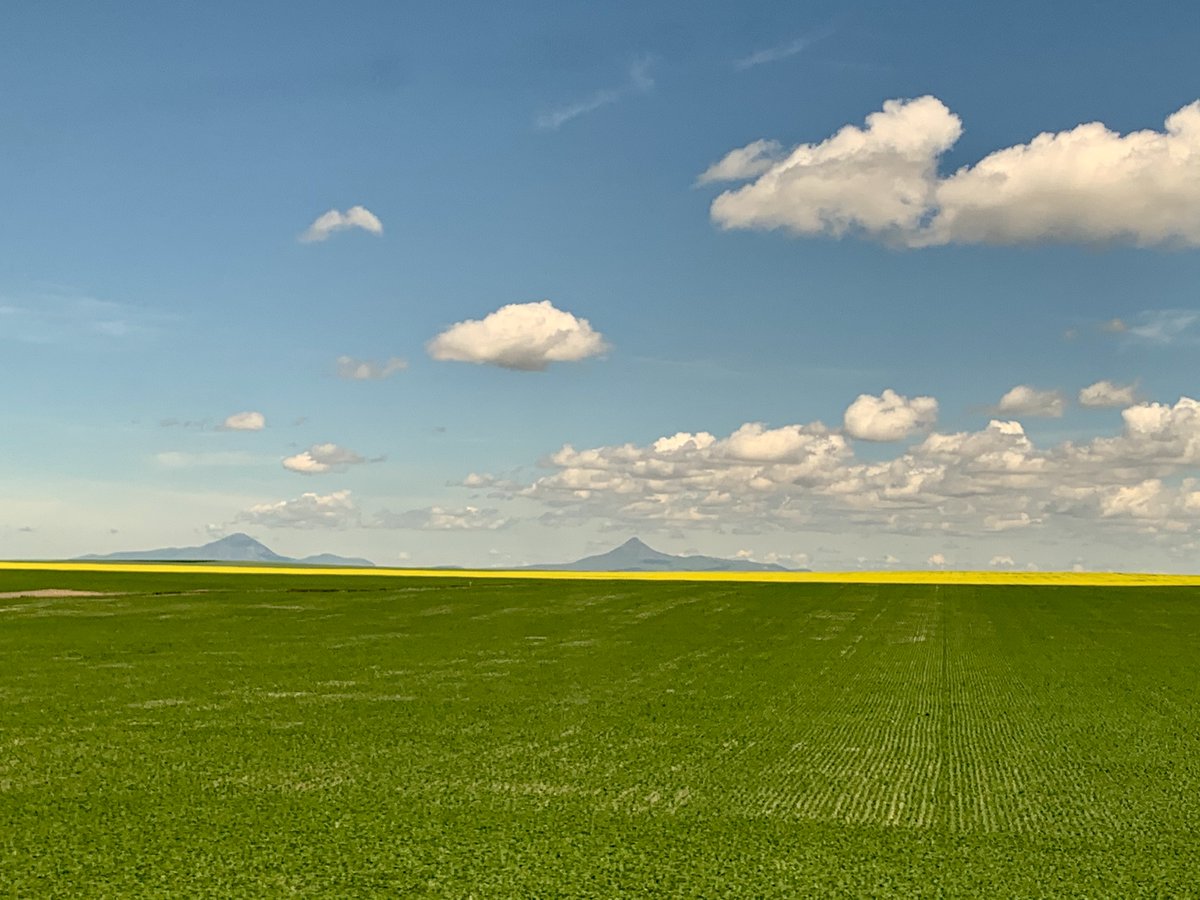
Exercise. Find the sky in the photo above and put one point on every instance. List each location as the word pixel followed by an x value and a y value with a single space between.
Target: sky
pixel 834 285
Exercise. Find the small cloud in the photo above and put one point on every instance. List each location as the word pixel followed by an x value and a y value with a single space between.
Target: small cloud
pixel 310 510
pixel 523 336
pixel 244 421
pixel 889 417
pixel 1002 562
pixel 1030 401
pixel 368 370
pixel 328 223
pixel 1107 394
pixel 320 459
pixel 937 560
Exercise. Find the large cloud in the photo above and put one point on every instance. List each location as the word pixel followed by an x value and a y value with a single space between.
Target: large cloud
pixel 333 221
pixel 1085 185
pixel 889 417
pixel 525 336
pixel 322 458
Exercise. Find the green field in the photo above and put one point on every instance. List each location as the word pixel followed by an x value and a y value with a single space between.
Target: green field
pixel 263 735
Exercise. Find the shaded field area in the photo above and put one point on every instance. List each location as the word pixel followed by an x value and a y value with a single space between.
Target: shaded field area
pixel 224 735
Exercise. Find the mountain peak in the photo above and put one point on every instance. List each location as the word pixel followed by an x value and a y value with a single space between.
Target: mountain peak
pixel 635 543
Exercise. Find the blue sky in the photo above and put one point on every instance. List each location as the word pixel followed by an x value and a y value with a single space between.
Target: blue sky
pixel 160 164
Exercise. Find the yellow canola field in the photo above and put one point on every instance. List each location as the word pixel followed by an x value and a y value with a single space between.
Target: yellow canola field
pixel 1085 579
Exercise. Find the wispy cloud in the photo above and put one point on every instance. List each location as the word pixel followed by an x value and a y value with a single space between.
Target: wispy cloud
pixel 54 319
pixel 638 80
pixel 780 51
pixel 1166 326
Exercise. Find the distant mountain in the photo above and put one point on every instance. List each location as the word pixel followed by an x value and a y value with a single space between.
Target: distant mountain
pixel 234 548
pixel 635 556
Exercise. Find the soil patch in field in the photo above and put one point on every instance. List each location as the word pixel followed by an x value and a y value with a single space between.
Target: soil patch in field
pixel 53 592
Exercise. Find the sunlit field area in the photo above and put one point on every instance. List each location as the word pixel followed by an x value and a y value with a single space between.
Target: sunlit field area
pixel 219 735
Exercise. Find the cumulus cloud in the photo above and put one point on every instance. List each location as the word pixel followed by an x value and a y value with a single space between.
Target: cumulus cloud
pixel 1024 400
pixel 1002 562
pixel 1084 185
pixel 320 459
pixel 937 560
pixel 368 370
pixel 805 477
pixel 244 421
pixel 1107 394
pixel 889 417
pixel 524 336
pixel 309 510
pixel 333 221
pixel 437 518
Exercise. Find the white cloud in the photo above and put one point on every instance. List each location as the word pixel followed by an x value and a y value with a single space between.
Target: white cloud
pixel 638 81
pixel 333 221
pixel 525 336
pixel 322 458
pixel 437 518
pixel 1024 400
pixel 937 560
pixel 1114 326
pixel 804 477
pixel 310 510
pixel 889 417
pixel 1002 562
pixel 1107 394
pixel 1084 185
pixel 244 421
pixel 368 370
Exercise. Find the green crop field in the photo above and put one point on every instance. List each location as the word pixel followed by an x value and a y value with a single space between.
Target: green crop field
pixel 210 735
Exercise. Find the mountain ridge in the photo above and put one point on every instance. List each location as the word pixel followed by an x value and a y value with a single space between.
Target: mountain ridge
pixel 238 547
pixel 635 555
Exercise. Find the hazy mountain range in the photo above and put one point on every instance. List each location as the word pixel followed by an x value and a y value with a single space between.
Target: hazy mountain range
pixel 234 548
pixel 632 556
pixel 636 556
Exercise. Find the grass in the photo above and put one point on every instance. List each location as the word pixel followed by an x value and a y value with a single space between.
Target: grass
pixel 390 736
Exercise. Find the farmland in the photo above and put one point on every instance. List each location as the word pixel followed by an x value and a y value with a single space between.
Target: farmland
pixel 226 735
